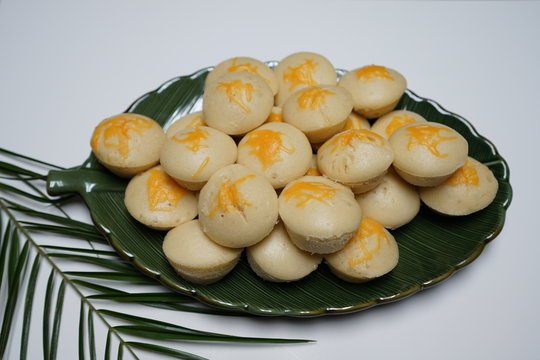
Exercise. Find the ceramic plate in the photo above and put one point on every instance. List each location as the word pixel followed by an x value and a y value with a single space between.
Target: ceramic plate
pixel 432 247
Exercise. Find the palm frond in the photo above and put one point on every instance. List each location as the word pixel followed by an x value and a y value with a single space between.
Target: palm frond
pixel 28 305
pixel 162 350
pixel 29 159
pixel 14 279
pixel 23 257
pixel 13 170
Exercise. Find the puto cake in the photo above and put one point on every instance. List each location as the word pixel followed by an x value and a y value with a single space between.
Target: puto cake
pixel 371 253
pixel 313 169
pixel 355 121
pixel 300 70
pixel 279 151
pixel 277 259
pixel 246 64
pixel 192 155
pixel 393 203
pixel 128 143
pixel 375 89
pixel 195 257
pixel 427 154
pixel 238 207
pixel 356 158
pixel 237 102
pixel 388 124
pixel 319 214
pixel 191 121
pixel 318 111
pixel 154 199
pixel 470 189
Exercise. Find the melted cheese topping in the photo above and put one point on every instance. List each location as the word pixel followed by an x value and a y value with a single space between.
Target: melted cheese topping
pixel 313 171
pixel 266 145
pixel 201 167
pixel 275 117
pixel 193 139
pixel 372 72
pixel 348 137
pixel 397 122
pixel 313 98
pixel 117 131
pixel 238 92
pixel 164 193
pixel 235 67
pixel 306 191
pixel 428 136
pixel 364 249
pixel 301 74
pixel 466 175
pixel 229 198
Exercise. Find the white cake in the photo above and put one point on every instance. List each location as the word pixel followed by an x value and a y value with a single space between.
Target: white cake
pixel 237 207
pixel 320 215
pixel 154 199
pixel 195 257
pixel 127 144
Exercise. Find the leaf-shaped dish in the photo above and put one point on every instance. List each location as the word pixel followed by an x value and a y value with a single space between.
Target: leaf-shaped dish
pixel 432 247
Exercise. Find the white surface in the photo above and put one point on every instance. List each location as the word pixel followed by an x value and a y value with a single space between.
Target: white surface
pixel 65 65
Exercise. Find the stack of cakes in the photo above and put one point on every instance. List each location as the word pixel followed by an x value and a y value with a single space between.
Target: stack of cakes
pixel 294 166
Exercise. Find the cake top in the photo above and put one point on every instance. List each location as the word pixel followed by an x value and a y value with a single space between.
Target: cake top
pixel 127 141
pixel 244 64
pixel 315 206
pixel 428 149
pixel 278 150
pixel 300 70
pixel 354 156
pixel 388 124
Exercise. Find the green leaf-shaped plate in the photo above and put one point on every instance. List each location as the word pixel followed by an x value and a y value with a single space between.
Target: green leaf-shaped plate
pixel 432 247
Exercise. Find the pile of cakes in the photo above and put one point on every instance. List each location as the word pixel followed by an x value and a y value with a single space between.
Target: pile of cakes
pixel 294 166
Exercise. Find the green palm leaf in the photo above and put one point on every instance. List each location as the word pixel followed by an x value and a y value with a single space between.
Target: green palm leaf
pixel 28 305
pixel 22 257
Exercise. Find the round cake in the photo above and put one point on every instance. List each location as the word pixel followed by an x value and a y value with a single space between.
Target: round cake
pixel 318 111
pixel 237 102
pixel 195 257
pixel 393 203
pixel 375 89
pixel 300 70
pixel 190 121
pixel 428 153
pixel 356 158
pixel 237 207
pixel 192 155
pixel 371 253
pixel 470 189
pixel 279 151
pixel 388 124
pixel 277 259
pixel 320 215
pixel 244 64
pixel 127 144
pixel 154 199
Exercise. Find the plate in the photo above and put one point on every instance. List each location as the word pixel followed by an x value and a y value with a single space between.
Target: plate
pixel 432 247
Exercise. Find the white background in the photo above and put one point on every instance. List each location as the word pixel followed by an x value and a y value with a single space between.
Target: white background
pixel 65 65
